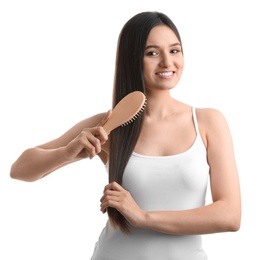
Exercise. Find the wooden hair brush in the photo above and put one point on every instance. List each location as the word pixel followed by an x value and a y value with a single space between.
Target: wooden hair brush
pixel 126 111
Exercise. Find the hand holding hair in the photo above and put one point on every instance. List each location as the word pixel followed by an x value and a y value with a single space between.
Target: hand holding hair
pixel 115 196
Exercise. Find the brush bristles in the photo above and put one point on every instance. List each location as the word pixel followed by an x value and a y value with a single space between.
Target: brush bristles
pixel 136 115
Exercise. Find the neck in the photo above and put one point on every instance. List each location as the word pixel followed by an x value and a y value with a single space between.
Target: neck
pixel 159 104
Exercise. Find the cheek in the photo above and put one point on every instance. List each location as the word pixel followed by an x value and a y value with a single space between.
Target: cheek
pixel 147 71
pixel 180 65
pixel 146 79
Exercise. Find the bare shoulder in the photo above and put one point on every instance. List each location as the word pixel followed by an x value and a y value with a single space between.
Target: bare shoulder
pixel 209 115
pixel 211 122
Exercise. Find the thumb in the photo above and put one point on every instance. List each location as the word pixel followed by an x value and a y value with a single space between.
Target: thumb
pixel 105 118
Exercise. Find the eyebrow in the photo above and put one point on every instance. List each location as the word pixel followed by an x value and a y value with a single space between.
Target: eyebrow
pixel 157 47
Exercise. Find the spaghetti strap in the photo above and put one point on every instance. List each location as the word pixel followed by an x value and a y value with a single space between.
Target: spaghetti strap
pixel 195 121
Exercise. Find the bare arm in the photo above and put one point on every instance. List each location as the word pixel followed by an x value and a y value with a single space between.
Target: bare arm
pixel 83 140
pixel 223 215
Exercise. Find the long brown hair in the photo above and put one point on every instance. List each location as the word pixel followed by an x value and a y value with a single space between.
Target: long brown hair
pixel 128 78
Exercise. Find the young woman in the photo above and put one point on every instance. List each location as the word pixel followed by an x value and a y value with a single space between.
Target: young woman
pixel 159 165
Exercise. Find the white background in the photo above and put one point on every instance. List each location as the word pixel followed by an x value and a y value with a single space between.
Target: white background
pixel 56 68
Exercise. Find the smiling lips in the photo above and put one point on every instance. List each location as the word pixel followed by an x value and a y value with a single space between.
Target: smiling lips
pixel 165 73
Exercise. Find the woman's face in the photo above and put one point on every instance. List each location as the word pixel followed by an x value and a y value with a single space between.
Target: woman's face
pixel 163 59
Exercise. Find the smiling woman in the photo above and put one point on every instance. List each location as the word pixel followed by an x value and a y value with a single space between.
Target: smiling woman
pixel 163 59
pixel 160 165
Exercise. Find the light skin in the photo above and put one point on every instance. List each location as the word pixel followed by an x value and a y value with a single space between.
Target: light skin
pixel 167 121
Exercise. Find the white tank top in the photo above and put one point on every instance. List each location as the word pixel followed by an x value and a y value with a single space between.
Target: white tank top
pixel 176 182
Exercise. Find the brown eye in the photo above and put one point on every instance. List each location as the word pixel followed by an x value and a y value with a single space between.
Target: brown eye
pixel 152 53
pixel 175 51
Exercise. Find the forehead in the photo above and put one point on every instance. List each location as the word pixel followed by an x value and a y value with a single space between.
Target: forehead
pixel 161 34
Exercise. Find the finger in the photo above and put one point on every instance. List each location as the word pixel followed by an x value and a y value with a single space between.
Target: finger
pixel 103 208
pixel 96 137
pixel 92 145
pixel 105 204
pixel 113 203
pixel 109 194
pixel 101 134
pixel 84 146
pixel 109 199
pixel 113 186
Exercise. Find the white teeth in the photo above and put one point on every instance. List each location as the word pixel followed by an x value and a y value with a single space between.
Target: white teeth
pixel 165 74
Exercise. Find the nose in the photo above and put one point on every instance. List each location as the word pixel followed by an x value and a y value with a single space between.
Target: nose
pixel 166 60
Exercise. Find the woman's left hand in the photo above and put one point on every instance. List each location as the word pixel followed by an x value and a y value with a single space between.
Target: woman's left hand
pixel 117 197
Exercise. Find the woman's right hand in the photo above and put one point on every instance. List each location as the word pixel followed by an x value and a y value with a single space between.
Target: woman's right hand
pixel 89 142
